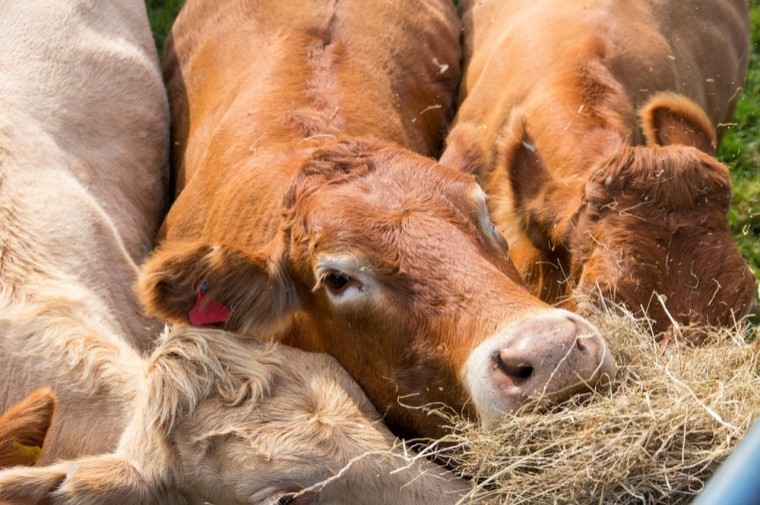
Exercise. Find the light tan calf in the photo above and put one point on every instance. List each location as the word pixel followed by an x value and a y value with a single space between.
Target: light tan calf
pixel 215 417
pixel 83 147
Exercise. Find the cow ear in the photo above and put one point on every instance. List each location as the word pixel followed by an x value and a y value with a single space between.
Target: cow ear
pixel 544 206
pixel 85 481
pixel 23 428
pixel 668 118
pixel 198 283
pixel 527 173
pixel 464 151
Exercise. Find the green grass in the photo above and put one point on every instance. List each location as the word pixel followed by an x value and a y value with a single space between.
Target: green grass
pixel 740 149
pixel 161 14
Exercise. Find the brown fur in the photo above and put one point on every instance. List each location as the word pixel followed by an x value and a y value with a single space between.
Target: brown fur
pixel 26 425
pixel 584 211
pixel 295 163
pixel 669 118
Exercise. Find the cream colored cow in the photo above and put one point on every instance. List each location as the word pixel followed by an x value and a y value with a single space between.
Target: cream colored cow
pixel 84 139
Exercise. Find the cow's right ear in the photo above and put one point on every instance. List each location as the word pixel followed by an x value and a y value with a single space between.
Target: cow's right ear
pixel 198 283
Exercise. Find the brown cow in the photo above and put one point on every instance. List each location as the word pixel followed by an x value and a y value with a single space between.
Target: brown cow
pixel 23 428
pixel 84 146
pixel 292 223
pixel 591 126
pixel 212 417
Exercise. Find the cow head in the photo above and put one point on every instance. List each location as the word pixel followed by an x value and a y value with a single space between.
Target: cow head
pixel 645 226
pixel 236 422
pixel 396 263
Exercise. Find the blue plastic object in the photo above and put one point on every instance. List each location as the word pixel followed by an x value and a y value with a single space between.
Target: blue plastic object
pixel 737 481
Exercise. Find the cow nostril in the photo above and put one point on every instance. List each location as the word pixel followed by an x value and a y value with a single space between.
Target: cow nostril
pixel 580 345
pixel 516 369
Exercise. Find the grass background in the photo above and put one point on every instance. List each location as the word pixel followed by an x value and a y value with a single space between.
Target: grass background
pixel 161 14
pixel 740 149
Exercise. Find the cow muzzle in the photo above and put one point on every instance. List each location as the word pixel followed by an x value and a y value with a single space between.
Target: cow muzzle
pixel 555 354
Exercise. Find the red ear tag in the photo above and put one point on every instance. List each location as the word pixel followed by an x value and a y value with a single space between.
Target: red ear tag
pixel 207 313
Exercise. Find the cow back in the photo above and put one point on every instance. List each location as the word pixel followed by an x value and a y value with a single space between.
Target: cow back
pixel 337 80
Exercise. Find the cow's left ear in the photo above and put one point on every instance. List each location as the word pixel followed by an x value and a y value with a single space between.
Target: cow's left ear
pixel 668 118
pixel 205 284
pixel 520 180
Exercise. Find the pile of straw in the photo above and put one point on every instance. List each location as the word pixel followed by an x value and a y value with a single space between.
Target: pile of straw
pixel 655 435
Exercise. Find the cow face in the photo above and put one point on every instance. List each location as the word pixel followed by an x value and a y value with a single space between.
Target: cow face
pixel 395 261
pixel 269 421
pixel 293 427
pixel 243 423
pixel 652 221
pixel 645 226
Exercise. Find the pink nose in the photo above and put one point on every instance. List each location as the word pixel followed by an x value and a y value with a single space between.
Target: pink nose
pixel 555 354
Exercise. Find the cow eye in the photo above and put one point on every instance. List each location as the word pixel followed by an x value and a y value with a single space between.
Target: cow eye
pixel 336 281
pixel 339 286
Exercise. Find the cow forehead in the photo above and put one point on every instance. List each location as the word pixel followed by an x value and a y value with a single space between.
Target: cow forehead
pixel 311 406
pixel 383 233
pixel 388 177
pixel 673 179
pixel 397 226
pixel 386 198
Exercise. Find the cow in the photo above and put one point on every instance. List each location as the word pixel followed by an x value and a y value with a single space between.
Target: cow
pixel 213 417
pixel 23 428
pixel 84 146
pixel 592 127
pixel 306 213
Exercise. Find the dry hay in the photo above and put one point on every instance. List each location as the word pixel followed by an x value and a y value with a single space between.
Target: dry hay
pixel 655 435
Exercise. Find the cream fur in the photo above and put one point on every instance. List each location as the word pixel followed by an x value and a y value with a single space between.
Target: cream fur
pixel 231 421
pixel 83 152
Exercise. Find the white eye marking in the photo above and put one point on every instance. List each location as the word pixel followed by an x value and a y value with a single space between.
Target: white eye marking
pixel 336 282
